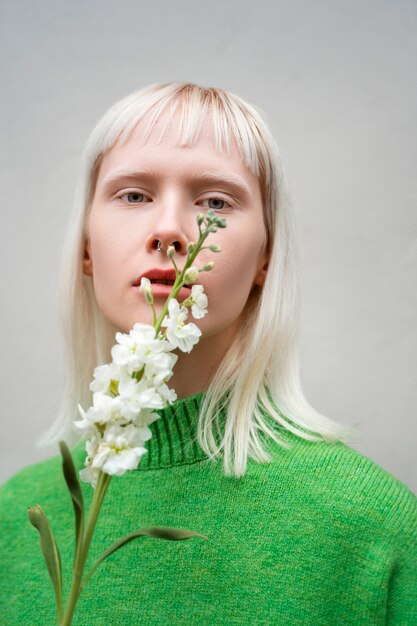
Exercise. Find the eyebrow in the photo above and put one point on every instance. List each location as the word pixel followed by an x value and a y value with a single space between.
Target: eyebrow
pixel 235 183
pixel 125 175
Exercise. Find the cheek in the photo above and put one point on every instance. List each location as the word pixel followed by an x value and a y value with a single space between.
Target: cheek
pixel 107 253
pixel 108 246
pixel 236 266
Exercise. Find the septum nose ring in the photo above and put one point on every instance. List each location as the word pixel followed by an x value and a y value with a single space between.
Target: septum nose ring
pixel 159 246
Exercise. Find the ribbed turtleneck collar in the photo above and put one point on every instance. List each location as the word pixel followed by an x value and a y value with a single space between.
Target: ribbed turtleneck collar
pixel 174 436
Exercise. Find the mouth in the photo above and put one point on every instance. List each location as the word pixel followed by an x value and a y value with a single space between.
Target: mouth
pixel 155 281
pixel 156 275
pixel 159 277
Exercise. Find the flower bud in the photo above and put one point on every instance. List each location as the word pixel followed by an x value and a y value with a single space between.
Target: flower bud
pixel 170 252
pixel 190 247
pixel 145 287
pixel 200 219
pixel 208 267
pixel 215 248
pixel 191 275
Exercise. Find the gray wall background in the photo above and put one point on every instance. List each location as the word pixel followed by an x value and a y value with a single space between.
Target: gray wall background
pixel 337 81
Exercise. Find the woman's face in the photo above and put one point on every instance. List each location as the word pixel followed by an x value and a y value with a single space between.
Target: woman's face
pixel 152 192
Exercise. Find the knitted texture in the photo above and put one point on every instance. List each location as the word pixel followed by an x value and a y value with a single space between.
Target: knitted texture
pixel 321 535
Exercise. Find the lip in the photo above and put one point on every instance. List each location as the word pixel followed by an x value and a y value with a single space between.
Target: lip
pixel 159 289
pixel 155 275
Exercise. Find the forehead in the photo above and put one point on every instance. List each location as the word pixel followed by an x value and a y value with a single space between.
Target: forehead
pixel 164 140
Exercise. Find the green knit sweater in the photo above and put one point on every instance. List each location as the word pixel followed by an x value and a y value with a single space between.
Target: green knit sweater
pixel 321 535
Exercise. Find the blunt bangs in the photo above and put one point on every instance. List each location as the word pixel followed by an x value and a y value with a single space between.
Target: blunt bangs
pixel 233 121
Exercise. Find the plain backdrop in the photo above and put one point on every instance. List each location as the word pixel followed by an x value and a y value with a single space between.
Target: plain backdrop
pixel 336 80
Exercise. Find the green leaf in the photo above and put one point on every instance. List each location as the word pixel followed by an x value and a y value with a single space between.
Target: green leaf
pixel 50 551
pixel 73 484
pixel 158 532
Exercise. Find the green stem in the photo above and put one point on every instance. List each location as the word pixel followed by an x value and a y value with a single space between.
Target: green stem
pixel 179 281
pixel 81 556
pixel 153 314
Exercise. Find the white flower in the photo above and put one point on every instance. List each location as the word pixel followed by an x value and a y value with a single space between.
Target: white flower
pixel 138 347
pixel 142 421
pixel 84 426
pixel 168 394
pixel 90 474
pixel 159 369
pixel 199 308
pixel 135 396
pixel 106 378
pixel 105 409
pixel 120 450
pixel 191 275
pixel 182 336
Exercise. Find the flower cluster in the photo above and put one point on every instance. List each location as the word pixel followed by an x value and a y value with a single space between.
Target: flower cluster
pixel 130 388
pixel 127 391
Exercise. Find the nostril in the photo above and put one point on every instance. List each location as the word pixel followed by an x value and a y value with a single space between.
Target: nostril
pixel 158 245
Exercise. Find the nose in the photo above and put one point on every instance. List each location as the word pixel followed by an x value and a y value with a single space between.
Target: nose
pixel 169 228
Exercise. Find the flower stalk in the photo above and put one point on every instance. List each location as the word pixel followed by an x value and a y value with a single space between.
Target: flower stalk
pixel 116 426
pixel 84 546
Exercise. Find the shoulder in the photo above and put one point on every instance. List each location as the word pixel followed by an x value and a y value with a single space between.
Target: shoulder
pixel 347 483
pixel 38 480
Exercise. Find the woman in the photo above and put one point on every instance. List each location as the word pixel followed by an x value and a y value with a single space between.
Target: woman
pixel 301 528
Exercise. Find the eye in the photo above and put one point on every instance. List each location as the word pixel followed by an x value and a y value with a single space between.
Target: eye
pixel 135 197
pixel 215 203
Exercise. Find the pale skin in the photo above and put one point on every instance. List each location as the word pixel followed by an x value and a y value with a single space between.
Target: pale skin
pixel 167 186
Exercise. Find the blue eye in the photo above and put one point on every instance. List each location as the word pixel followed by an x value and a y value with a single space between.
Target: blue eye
pixel 215 203
pixel 134 197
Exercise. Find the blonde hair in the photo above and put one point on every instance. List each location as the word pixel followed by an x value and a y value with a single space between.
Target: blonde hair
pixel 259 375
